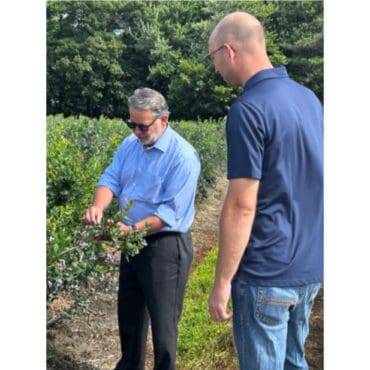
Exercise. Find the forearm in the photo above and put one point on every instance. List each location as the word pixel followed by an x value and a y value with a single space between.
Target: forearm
pixel 236 223
pixel 102 197
pixel 154 222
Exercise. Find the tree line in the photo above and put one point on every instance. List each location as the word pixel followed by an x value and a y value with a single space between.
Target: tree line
pixel 99 52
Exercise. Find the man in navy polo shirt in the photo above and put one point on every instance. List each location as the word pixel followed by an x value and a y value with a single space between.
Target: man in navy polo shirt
pixel 270 258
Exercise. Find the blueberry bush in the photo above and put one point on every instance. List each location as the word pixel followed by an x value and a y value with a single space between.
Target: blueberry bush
pixel 78 150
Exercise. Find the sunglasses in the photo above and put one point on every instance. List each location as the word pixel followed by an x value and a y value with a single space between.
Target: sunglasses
pixel 141 126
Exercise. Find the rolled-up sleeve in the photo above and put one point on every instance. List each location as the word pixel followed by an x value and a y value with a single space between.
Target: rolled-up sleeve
pixel 111 175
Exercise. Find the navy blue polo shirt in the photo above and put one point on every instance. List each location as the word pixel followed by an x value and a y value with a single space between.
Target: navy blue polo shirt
pixel 275 134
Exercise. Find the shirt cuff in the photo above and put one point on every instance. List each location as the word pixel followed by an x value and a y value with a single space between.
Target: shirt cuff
pixel 114 188
pixel 167 214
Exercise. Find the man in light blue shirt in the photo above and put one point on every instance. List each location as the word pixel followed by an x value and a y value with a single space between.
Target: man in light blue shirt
pixel 157 169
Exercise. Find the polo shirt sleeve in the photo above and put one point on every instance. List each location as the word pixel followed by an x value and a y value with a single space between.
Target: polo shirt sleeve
pixel 245 141
pixel 111 175
pixel 180 191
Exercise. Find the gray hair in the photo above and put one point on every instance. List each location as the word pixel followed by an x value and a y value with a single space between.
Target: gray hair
pixel 148 99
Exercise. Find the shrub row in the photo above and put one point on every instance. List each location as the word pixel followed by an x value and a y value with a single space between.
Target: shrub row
pixel 78 150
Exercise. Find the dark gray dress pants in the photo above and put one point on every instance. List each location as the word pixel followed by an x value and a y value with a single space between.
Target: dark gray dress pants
pixel 151 287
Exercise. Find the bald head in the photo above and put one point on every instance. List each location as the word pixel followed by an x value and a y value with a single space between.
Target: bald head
pixel 237 48
pixel 239 28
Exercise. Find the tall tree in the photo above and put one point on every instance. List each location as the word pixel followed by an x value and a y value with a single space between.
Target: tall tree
pixel 98 52
pixel 84 72
pixel 298 26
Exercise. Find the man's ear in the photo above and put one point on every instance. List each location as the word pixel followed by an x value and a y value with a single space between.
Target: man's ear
pixel 230 51
pixel 164 119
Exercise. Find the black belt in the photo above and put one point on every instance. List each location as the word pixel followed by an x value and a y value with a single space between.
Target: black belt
pixel 162 234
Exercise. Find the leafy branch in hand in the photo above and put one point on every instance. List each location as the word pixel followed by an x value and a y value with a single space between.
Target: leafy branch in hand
pixel 129 243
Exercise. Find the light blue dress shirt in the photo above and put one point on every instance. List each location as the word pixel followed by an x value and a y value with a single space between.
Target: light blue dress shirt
pixel 161 179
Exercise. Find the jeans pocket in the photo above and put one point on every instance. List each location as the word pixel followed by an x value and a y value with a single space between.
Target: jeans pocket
pixel 273 304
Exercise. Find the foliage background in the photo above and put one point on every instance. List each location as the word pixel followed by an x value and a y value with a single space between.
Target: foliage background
pixel 98 52
pixel 78 150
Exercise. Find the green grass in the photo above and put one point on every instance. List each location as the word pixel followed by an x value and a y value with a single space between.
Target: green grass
pixel 203 344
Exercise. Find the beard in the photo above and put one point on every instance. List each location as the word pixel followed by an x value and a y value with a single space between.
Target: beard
pixel 149 140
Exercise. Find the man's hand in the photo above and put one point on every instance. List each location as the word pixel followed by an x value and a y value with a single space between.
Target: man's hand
pixel 124 228
pixel 93 216
pixel 217 302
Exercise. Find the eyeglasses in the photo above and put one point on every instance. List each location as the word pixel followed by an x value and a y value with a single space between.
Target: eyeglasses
pixel 209 56
pixel 141 126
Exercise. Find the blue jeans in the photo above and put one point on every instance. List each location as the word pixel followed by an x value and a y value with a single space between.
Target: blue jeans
pixel 271 325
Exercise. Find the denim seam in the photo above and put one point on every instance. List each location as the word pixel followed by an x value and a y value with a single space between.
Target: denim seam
pixel 313 296
pixel 276 302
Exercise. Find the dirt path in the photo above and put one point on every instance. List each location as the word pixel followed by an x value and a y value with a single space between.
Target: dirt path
pixel 91 341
